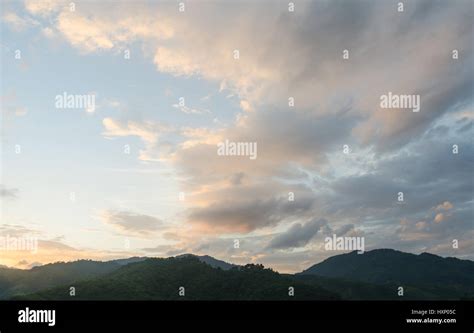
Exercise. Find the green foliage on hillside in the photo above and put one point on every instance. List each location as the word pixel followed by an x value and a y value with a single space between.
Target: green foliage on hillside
pixel 160 279
pixel 374 275
pixel 424 276
pixel 18 281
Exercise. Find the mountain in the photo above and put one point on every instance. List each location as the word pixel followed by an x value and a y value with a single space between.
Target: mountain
pixel 18 281
pixel 374 275
pixel 213 262
pixel 427 275
pixel 28 278
pixel 127 261
pixel 160 279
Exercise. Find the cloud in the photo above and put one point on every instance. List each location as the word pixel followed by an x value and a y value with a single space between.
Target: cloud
pixel 89 31
pixel 24 264
pixel 263 75
pixel 245 105
pixel 44 7
pixel 15 230
pixel 147 131
pixel 228 195
pixel 336 102
pixel 38 247
pixel 246 215
pixel 8 193
pixel 284 139
pixel 18 23
pixel 268 72
pixel 445 206
pixel 132 224
pixel 344 230
pixel 439 218
pixel 298 235
pixel 433 232
pixel 54 251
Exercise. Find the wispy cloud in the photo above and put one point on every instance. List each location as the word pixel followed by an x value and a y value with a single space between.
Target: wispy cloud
pixel 8 193
pixel 131 224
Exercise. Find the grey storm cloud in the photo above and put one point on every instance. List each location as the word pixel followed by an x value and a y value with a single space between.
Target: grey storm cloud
pixel 298 235
pixel 247 215
pixel 356 27
pixel 338 103
pixel 302 137
pixel 427 173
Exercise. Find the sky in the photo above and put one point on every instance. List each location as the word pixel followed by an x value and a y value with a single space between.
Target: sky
pixel 139 173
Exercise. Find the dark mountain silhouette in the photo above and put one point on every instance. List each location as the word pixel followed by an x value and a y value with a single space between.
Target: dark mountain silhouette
pixel 373 275
pixel 127 261
pixel 161 279
pixel 426 274
pixel 18 281
pixel 213 262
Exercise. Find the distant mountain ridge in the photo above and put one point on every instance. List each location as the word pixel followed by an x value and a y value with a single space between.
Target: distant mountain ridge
pixel 18 281
pixel 186 278
pixel 15 281
pixel 387 266
pixel 211 261
pixel 373 275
